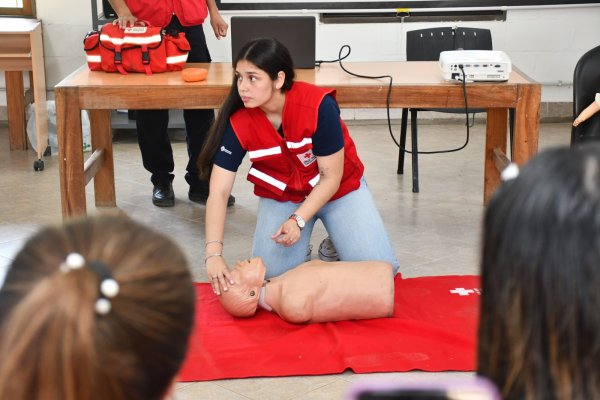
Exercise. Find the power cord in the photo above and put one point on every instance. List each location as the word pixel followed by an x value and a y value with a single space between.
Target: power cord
pixel 388 98
pixel 467 124
pixel 339 59
pixel 389 93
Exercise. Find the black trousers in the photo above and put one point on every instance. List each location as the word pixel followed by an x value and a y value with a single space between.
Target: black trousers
pixel 155 145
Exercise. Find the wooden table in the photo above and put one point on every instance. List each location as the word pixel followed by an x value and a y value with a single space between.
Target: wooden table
pixel 416 84
pixel 21 50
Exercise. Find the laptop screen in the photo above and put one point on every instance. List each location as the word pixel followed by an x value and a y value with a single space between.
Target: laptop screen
pixel 296 33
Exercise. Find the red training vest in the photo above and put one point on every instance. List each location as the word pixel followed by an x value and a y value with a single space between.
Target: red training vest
pixel 160 12
pixel 285 169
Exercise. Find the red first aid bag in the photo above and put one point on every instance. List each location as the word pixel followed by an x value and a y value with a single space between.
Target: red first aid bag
pixel 135 49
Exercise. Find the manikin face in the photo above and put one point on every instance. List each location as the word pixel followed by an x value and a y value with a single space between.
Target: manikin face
pixel 241 299
pixel 254 85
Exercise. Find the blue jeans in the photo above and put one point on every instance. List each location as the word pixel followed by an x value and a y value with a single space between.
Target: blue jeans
pixel 352 222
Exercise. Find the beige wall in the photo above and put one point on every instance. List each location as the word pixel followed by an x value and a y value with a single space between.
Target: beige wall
pixel 65 24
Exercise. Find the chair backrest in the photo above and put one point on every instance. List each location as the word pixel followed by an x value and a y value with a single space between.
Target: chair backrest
pixel 473 39
pixel 427 44
pixel 586 83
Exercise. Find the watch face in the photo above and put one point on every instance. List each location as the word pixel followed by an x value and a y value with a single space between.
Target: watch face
pixel 299 220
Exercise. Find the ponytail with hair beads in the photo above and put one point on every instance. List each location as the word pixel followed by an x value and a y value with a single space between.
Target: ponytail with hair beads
pixel 99 308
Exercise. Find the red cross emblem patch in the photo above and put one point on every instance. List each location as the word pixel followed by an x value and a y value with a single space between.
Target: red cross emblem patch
pixel 306 158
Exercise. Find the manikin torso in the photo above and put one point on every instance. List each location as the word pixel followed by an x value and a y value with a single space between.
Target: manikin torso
pixel 315 291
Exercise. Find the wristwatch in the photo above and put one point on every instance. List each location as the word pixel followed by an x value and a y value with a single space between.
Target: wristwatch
pixel 299 221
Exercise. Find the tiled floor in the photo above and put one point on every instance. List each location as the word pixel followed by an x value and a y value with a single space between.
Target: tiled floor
pixel 435 232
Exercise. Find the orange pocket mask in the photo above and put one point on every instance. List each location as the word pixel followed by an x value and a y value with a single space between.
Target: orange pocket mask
pixel 194 74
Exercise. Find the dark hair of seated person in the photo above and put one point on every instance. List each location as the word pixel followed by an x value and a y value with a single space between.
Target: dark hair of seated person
pixel 56 344
pixel 539 335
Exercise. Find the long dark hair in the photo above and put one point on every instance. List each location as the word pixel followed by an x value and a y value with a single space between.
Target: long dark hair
pixel 54 345
pixel 269 55
pixel 540 310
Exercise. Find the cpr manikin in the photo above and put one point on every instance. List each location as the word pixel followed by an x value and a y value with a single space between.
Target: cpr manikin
pixel 315 291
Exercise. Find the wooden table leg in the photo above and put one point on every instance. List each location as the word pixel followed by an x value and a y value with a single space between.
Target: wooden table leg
pixel 70 152
pixel 495 137
pixel 527 123
pixel 38 84
pixel 15 104
pixel 104 181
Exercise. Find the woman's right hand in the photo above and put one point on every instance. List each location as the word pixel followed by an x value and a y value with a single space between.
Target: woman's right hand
pixel 218 274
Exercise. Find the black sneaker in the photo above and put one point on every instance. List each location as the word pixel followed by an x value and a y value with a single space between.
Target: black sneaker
pixel 163 195
pixel 199 194
pixel 327 251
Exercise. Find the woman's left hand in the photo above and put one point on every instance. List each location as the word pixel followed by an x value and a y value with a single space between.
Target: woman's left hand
pixel 287 234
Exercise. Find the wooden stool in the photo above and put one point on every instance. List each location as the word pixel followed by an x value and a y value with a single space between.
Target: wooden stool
pixel 21 50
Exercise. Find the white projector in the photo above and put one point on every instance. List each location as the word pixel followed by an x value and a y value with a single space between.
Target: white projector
pixel 478 65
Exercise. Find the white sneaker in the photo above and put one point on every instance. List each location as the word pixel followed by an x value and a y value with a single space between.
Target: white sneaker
pixel 327 251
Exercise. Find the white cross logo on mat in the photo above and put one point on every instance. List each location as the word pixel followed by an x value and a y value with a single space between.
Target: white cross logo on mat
pixel 462 291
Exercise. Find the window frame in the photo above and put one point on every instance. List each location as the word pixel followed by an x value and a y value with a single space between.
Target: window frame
pixel 28 10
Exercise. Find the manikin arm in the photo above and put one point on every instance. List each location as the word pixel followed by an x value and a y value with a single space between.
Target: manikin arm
pixel 588 111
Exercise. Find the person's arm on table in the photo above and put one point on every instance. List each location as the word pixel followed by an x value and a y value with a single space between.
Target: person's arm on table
pixel 221 183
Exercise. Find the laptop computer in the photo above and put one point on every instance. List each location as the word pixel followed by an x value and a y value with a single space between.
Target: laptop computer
pixel 297 33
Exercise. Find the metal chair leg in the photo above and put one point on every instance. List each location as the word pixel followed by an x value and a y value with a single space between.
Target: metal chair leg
pixel 415 151
pixel 401 151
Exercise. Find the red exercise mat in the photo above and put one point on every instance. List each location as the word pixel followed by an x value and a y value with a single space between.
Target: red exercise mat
pixel 434 328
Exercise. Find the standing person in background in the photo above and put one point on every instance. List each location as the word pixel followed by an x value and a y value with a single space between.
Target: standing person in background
pixel 305 167
pixel 95 309
pixel 539 333
pixel 181 16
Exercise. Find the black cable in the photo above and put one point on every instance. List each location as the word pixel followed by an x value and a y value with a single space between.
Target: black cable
pixel 467 124
pixel 389 93
pixel 339 59
pixel 388 100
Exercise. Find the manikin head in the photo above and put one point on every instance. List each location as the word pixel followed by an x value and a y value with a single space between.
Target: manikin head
pixel 241 299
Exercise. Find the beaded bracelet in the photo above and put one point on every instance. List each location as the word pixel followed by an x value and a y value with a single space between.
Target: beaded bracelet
pixel 213 241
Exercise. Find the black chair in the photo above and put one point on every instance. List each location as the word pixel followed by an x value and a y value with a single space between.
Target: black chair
pixel 426 45
pixel 586 83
